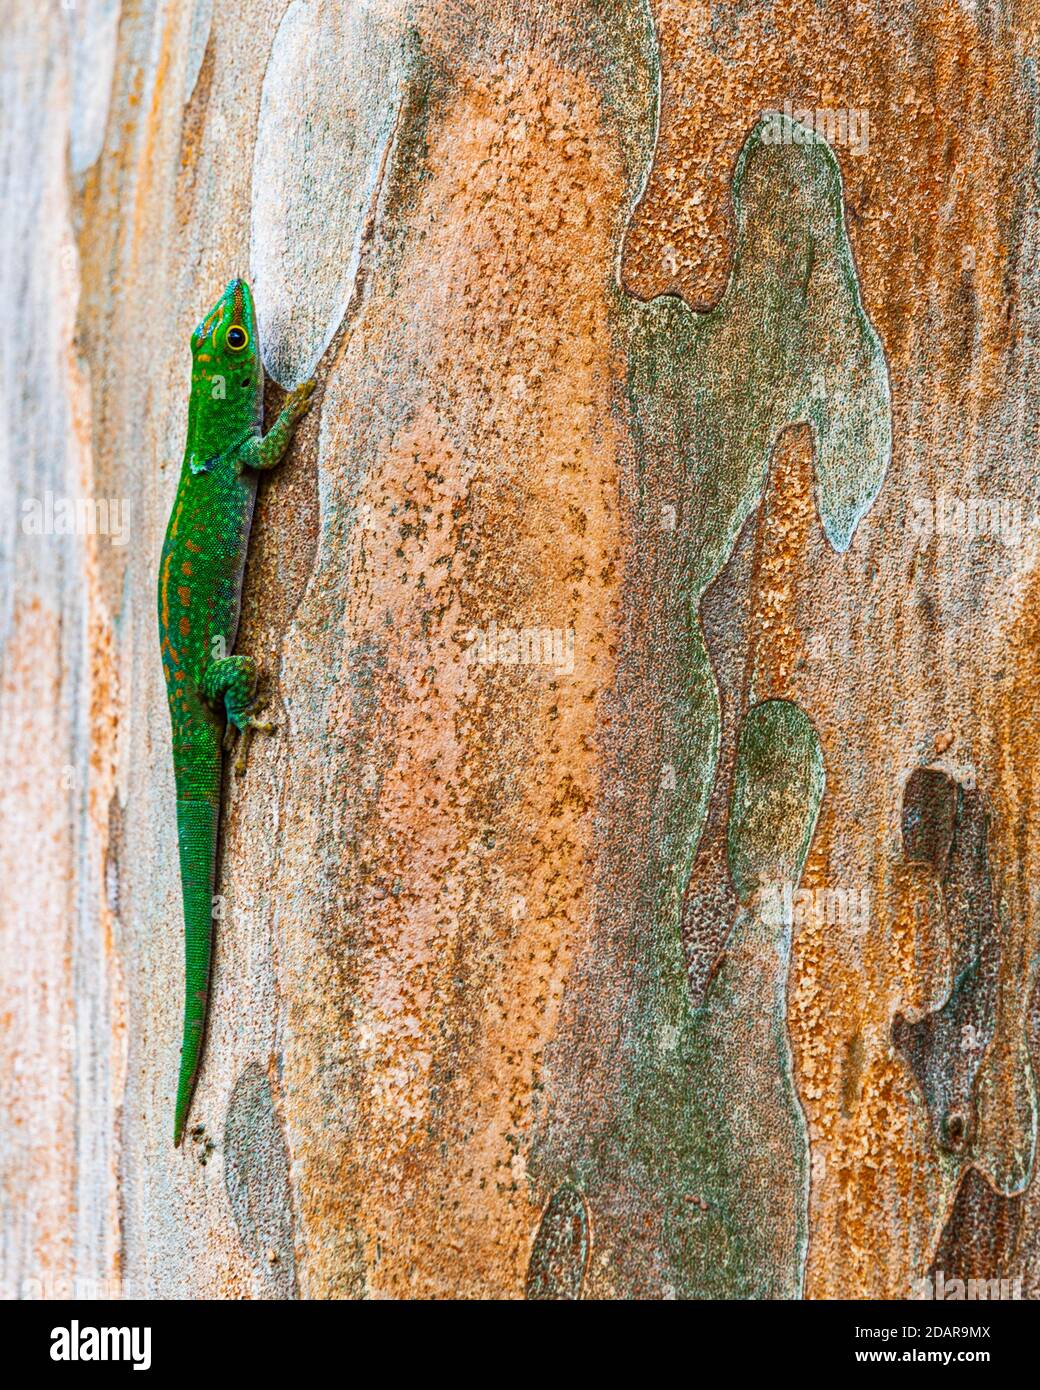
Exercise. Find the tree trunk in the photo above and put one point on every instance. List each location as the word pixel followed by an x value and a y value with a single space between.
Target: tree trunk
pixel 638 896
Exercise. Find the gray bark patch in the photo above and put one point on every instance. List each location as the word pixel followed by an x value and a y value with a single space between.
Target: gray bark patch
pixel 560 1252
pixel 256 1174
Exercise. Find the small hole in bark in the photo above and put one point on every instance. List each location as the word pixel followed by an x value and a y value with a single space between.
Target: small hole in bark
pixel 954 1130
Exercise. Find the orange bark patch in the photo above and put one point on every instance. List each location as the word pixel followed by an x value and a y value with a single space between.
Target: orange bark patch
pixel 930 191
pixel 785 518
pixel 492 512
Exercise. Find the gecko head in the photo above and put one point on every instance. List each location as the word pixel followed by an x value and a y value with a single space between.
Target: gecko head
pixel 225 348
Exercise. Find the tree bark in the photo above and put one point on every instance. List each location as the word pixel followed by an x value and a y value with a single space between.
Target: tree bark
pixel 638 898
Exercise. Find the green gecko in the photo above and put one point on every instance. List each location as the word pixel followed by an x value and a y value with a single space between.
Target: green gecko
pixel 200 586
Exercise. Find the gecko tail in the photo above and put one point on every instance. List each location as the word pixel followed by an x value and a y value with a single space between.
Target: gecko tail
pixel 197 835
pixel 191 1055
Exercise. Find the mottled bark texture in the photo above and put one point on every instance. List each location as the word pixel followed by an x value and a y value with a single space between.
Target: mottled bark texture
pixel 639 898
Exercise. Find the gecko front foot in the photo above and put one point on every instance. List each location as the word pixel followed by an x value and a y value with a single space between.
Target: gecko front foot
pixel 298 401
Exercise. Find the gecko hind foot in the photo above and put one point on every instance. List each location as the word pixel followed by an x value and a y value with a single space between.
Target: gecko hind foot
pixel 251 725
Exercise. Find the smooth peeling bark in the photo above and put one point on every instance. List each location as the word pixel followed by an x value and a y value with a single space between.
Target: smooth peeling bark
pixel 469 488
pixel 906 673
pixel 476 914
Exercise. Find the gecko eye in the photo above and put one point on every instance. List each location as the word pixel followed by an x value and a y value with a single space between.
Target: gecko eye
pixel 237 338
